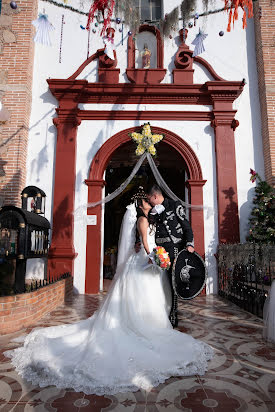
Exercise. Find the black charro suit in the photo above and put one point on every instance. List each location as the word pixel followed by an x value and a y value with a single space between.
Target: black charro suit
pixel 174 233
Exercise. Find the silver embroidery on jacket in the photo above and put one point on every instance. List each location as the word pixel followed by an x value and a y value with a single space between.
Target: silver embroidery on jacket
pixel 180 212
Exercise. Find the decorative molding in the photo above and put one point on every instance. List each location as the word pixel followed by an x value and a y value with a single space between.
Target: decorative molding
pixel 132 46
pixel 67 116
pixel 198 183
pixel 208 67
pixel 94 56
pixel 235 123
pixel 145 76
pixel 99 182
pixel 72 92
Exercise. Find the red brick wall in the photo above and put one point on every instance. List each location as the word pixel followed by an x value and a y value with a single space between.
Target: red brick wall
pixel 20 311
pixel 16 69
pixel 265 52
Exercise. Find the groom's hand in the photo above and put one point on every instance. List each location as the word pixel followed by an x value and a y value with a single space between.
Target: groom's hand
pixel 137 247
pixel 190 249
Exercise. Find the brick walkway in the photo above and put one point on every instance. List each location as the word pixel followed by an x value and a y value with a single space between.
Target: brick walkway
pixel 241 377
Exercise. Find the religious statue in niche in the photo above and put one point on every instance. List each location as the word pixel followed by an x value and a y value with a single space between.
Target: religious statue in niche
pixel 146 56
pixel 33 204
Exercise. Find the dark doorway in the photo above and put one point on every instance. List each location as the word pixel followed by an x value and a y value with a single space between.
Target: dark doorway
pixel 171 166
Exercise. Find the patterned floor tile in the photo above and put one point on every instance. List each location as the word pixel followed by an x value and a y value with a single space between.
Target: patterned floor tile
pixel 241 376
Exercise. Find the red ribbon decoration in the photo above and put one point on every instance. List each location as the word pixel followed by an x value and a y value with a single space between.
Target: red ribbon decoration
pixel 233 6
pixel 101 5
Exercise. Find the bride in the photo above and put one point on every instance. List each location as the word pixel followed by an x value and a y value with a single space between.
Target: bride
pixel 129 343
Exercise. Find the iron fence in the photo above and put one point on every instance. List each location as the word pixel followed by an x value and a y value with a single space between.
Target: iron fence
pixel 245 273
pixel 33 285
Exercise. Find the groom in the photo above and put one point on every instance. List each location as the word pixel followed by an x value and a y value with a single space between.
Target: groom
pixel 173 232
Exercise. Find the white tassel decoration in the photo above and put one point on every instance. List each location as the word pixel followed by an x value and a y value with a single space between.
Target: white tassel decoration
pixel 198 42
pixel 43 29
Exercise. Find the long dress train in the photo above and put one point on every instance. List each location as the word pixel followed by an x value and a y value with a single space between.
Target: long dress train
pixel 126 345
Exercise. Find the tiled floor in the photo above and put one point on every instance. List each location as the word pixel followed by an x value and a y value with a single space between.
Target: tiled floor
pixel 241 377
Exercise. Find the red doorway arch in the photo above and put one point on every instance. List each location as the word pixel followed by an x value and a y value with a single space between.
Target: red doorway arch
pixel 96 183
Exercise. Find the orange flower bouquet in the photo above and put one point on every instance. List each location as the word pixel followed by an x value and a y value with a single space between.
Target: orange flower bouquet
pixel 161 257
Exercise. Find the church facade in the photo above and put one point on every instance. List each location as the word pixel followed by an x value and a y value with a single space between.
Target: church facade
pixel 83 105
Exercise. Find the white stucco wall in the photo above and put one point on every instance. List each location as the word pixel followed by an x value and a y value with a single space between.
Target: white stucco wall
pixel 232 57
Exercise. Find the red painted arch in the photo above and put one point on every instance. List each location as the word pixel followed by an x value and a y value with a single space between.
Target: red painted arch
pixel 104 154
pixel 96 184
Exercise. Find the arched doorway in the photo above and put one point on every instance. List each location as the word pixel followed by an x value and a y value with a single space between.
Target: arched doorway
pixel 180 152
pixel 171 166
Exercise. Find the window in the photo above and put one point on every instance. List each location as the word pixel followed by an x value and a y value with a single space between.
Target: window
pixel 149 9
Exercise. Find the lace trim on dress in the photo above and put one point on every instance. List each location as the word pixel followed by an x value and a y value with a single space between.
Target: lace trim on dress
pixel 83 380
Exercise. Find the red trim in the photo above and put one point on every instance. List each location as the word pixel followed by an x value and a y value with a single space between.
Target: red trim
pixel 132 46
pixel 93 245
pixel 227 193
pixel 205 94
pixel 196 215
pixel 85 63
pixel 62 252
pixel 148 76
pixel 208 66
pixel 97 169
pixel 104 154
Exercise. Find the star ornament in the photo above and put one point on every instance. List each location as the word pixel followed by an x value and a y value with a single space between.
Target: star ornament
pixel 146 140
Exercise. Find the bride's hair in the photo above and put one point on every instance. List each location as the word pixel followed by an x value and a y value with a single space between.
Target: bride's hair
pixel 140 213
pixel 138 204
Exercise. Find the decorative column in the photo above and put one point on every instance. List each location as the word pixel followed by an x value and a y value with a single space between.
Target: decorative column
pixel 196 215
pixel 94 237
pixel 224 126
pixel 62 252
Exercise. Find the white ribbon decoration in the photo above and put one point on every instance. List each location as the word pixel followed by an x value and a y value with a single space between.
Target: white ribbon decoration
pixel 81 212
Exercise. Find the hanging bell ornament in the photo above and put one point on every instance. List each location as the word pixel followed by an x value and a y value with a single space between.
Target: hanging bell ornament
pixel 13 5
pixel 130 33
pixel 118 20
pixel 94 30
pixel 221 33
pixel 82 27
pixel 96 24
pixel 170 36
pixel 190 25
pixel 196 16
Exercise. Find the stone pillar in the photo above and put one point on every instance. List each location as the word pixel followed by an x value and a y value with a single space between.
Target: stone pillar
pixel 94 236
pixel 62 252
pixel 224 125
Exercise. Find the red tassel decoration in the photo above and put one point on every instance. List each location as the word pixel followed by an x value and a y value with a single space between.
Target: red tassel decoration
pixel 101 5
pixel 233 5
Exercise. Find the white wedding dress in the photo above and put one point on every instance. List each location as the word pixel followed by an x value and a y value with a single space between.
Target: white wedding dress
pixel 128 344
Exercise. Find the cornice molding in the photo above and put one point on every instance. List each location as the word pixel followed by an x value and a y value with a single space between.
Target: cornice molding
pixel 80 91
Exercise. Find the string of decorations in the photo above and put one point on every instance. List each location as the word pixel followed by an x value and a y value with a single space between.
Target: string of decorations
pixel 61 38
pixel 128 9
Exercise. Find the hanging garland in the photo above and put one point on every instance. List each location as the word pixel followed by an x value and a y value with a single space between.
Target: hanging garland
pixel 233 6
pixel 106 8
pixel 128 10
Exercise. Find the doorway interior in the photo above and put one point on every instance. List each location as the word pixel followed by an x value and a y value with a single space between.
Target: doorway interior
pixel 172 168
